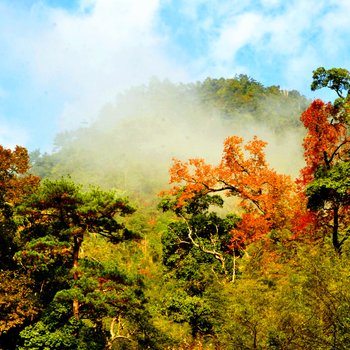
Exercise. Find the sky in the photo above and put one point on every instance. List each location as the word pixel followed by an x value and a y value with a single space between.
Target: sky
pixel 63 60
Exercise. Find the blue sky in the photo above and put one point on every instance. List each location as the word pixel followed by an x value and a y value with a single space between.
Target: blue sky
pixel 62 60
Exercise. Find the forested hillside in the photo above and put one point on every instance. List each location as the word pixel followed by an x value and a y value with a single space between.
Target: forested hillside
pixel 167 224
pixel 132 142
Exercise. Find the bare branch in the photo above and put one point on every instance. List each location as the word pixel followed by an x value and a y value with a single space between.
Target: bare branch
pixel 217 255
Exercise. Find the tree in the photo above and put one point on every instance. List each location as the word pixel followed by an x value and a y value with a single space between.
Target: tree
pixel 201 247
pixel 266 198
pixel 326 141
pixel 199 229
pixel 113 313
pixel 337 79
pixel 15 184
pixel 325 177
pixel 87 303
pixel 58 217
pixel 197 257
pixel 18 303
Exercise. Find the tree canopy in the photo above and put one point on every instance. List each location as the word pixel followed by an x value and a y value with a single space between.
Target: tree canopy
pixel 337 79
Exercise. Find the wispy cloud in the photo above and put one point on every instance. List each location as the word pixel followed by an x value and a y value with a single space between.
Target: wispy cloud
pixel 267 36
pixel 89 55
pixel 11 134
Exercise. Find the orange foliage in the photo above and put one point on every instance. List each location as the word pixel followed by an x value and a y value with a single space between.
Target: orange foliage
pixel 304 221
pixel 326 144
pixel 327 140
pixel 14 180
pixel 268 199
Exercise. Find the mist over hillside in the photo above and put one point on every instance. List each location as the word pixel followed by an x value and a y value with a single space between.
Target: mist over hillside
pixel 131 143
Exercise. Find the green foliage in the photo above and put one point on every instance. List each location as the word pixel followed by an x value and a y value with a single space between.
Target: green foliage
pixel 330 186
pixel 39 336
pixel 201 235
pixel 61 211
pixel 248 98
pixel 329 193
pixel 43 254
pixel 58 330
pixel 337 79
pixel 191 309
pixel 197 259
pixel 58 217
pixel 240 94
pixel 301 307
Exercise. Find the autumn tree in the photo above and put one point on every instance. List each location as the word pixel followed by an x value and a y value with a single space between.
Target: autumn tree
pixel 267 200
pixel 18 304
pixel 325 178
pixel 15 184
pixel 202 247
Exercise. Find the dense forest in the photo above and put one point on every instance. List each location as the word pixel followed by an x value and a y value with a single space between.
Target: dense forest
pixel 208 215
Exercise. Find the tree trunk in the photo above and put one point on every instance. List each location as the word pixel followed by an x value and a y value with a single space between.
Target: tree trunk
pixel 76 249
pixel 335 235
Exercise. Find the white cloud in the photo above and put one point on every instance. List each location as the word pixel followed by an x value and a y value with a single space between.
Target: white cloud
pixel 296 37
pixel 234 36
pixel 91 55
pixel 336 31
pixel 195 10
pixel 11 135
pixel 271 3
pixel 299 70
